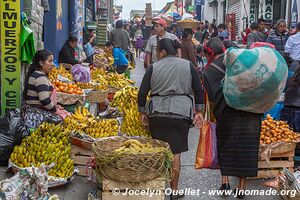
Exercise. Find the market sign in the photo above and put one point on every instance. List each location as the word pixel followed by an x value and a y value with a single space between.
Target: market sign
pixel 294 15
pixel 10 57
pixel 252 11
pixel 268 9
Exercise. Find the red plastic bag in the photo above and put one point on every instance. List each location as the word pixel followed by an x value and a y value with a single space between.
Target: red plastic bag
pixel 207 156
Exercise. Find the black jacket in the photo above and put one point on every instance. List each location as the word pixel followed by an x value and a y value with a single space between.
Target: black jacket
pixel 292 96
pixel 66 55
pixel 212 79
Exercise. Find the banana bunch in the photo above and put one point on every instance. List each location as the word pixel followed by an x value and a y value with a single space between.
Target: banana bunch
pixel 79 120
pixel 83 122
pixel 118 80
pixel 97 73
pixel 48 144
pixel 82 114
pixel 126 101
pixel 103 128
pixel 132 124
pixel 101 87
pixel 134 146
pixel 125 98
pixel 59 71
pixel 84 85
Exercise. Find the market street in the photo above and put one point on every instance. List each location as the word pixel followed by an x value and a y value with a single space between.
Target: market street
pixel 190 178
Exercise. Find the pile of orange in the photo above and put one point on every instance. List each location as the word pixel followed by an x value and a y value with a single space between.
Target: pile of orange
pixel 273 131
pixel 68 88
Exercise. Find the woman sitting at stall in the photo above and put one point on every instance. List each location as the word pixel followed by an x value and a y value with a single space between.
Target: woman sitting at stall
pixel 39 94
pixel 120 60
pixel 67 52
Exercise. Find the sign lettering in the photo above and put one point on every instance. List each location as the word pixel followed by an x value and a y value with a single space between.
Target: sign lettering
pixel 269 9
pixel 10 60
pixel 252 11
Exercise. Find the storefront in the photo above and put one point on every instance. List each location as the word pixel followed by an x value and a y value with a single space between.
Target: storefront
pixel 233 14
pixel 295 10
pixel 271 10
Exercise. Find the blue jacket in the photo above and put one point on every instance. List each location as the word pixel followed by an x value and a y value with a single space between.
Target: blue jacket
pixel 119 57
pixel 279 40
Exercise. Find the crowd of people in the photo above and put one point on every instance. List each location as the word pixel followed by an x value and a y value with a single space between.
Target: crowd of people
pixel 179 74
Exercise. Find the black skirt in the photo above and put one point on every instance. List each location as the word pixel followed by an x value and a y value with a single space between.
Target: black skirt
pixel 238 135
pixel 173 131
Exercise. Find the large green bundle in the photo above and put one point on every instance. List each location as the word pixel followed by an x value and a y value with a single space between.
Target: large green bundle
pixel 254 78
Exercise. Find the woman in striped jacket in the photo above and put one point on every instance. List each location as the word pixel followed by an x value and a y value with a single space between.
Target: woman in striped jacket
pixel 39 95
pixel 279 35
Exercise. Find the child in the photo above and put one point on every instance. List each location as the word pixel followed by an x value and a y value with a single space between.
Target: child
pixel 291 109
pixel 120 60
pixel 199 57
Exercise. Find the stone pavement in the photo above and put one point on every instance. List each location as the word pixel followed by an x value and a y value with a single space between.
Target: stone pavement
pixel 204 180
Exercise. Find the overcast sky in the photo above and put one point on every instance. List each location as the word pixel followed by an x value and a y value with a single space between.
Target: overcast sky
pixel 129 5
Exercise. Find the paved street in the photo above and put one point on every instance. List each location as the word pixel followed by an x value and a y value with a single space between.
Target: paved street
pixel 190 178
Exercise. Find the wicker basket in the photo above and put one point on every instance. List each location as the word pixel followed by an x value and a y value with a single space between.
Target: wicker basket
pixel 130 167
pixel 192 25
pixel 112 90
pixel 69 99
pixel 97 96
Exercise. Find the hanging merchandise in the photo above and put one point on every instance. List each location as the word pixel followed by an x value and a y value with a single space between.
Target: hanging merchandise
pixel 27 41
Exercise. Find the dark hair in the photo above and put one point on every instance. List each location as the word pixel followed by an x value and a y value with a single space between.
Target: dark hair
pixel 41 55
pixel 298 26
pixel 199 49
pixel 119 24
pixel 229 43
pixel 170 46
pixel 254 26
pixel 108 43
pixel 260 20
pixel 212 25
pixel 216 45
pixel 186 32
pixel 223 26
pixel 72 38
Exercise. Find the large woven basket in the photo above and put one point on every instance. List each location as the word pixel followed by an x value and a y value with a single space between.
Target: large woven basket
pixel 192 25
pixel 129 167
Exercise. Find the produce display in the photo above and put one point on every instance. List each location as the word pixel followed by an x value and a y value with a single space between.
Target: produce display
pixel 135 146
pixel 126 101
pixel 102 58
pixel 59 71
pixel 48 144
pixel 110 78
pixel 84 85
pixel 68 88
pixel 273 131
pixel 82 121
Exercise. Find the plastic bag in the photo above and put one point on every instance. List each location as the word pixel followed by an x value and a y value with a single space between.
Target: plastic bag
pixel 207 156
pixel 254 79
pixel 11 133
pixel 28 183
pixel 81 73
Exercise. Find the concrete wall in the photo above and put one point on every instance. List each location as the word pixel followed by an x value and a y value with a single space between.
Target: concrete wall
pixel 210 11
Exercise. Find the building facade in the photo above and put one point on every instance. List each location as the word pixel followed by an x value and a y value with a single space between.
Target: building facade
pixel 241 13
